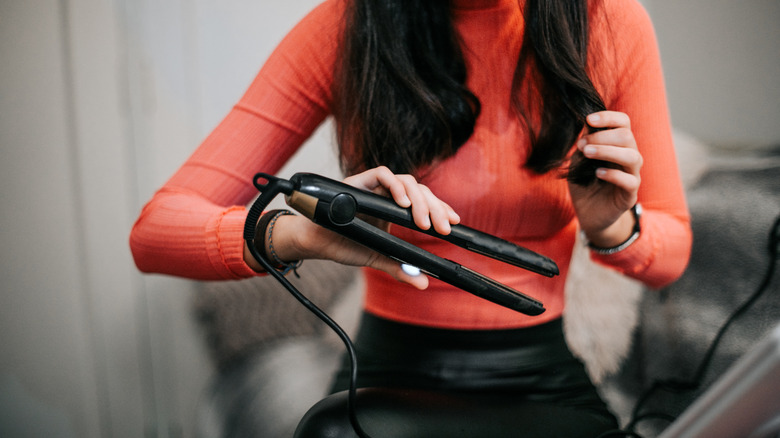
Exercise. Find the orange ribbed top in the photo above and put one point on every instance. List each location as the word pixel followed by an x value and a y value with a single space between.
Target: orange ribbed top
pixel 193 225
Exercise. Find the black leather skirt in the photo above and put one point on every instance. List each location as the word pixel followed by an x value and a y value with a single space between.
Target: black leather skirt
pixel 526 378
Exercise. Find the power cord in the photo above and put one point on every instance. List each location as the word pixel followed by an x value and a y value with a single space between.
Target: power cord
pixel 679 386
pixel 269 188
pixel 274 187
pixel 352 394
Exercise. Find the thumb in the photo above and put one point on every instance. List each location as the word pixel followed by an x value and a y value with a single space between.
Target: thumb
pixel 394 269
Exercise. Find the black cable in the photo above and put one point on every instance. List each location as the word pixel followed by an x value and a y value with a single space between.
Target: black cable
pixel 774 240
pixel 672 385
pixel 679 386
pixel 619 433
pixel 269 188
pixel 352 394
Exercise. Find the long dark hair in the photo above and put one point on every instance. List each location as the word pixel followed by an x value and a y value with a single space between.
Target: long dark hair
pixel 400 94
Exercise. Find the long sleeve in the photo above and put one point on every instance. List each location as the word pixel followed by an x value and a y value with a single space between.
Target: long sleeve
pixel 487 182
pixel 661 254
pixel 192 227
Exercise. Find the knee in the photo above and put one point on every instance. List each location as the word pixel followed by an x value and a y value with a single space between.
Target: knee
pixel 329 418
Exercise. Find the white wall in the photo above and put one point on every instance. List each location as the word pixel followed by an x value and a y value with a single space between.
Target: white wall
pixel 102 99
pixel 722 67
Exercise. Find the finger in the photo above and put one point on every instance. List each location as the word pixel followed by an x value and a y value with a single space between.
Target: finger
pixel 394 269
pixel 627 182
pixel 382 181
pixel 454 216
pixel 629 159
pixel 609 119
pixel 614 136
pixel 427 209
pixel 440 212
pixel 418 194
pixel 419 281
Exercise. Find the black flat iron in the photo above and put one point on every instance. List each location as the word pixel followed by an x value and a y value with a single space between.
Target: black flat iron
pixel 336 206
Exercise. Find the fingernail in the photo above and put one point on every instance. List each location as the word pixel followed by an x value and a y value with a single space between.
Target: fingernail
pixel 405 200
pixel 410 270
pixel 594 118
pixel 601 171
pixel 589 150
pixel 581 143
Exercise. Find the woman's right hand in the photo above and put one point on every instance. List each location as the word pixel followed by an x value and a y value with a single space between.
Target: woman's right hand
pixel 297 238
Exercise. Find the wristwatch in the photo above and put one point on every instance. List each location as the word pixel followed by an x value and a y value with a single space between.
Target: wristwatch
pixel 636 210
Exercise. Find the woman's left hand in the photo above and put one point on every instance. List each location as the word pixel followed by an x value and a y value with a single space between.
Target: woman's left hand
pixel 603 207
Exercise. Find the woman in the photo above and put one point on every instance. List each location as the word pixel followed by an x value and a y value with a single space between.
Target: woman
pixel 468 111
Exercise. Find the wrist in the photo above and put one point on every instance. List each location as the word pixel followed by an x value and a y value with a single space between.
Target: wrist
pixel 285 239
pixel 618 236
pixel 249 259
pixel 271 243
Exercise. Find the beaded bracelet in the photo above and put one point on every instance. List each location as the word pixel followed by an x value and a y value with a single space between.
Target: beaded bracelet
pixel 265 228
